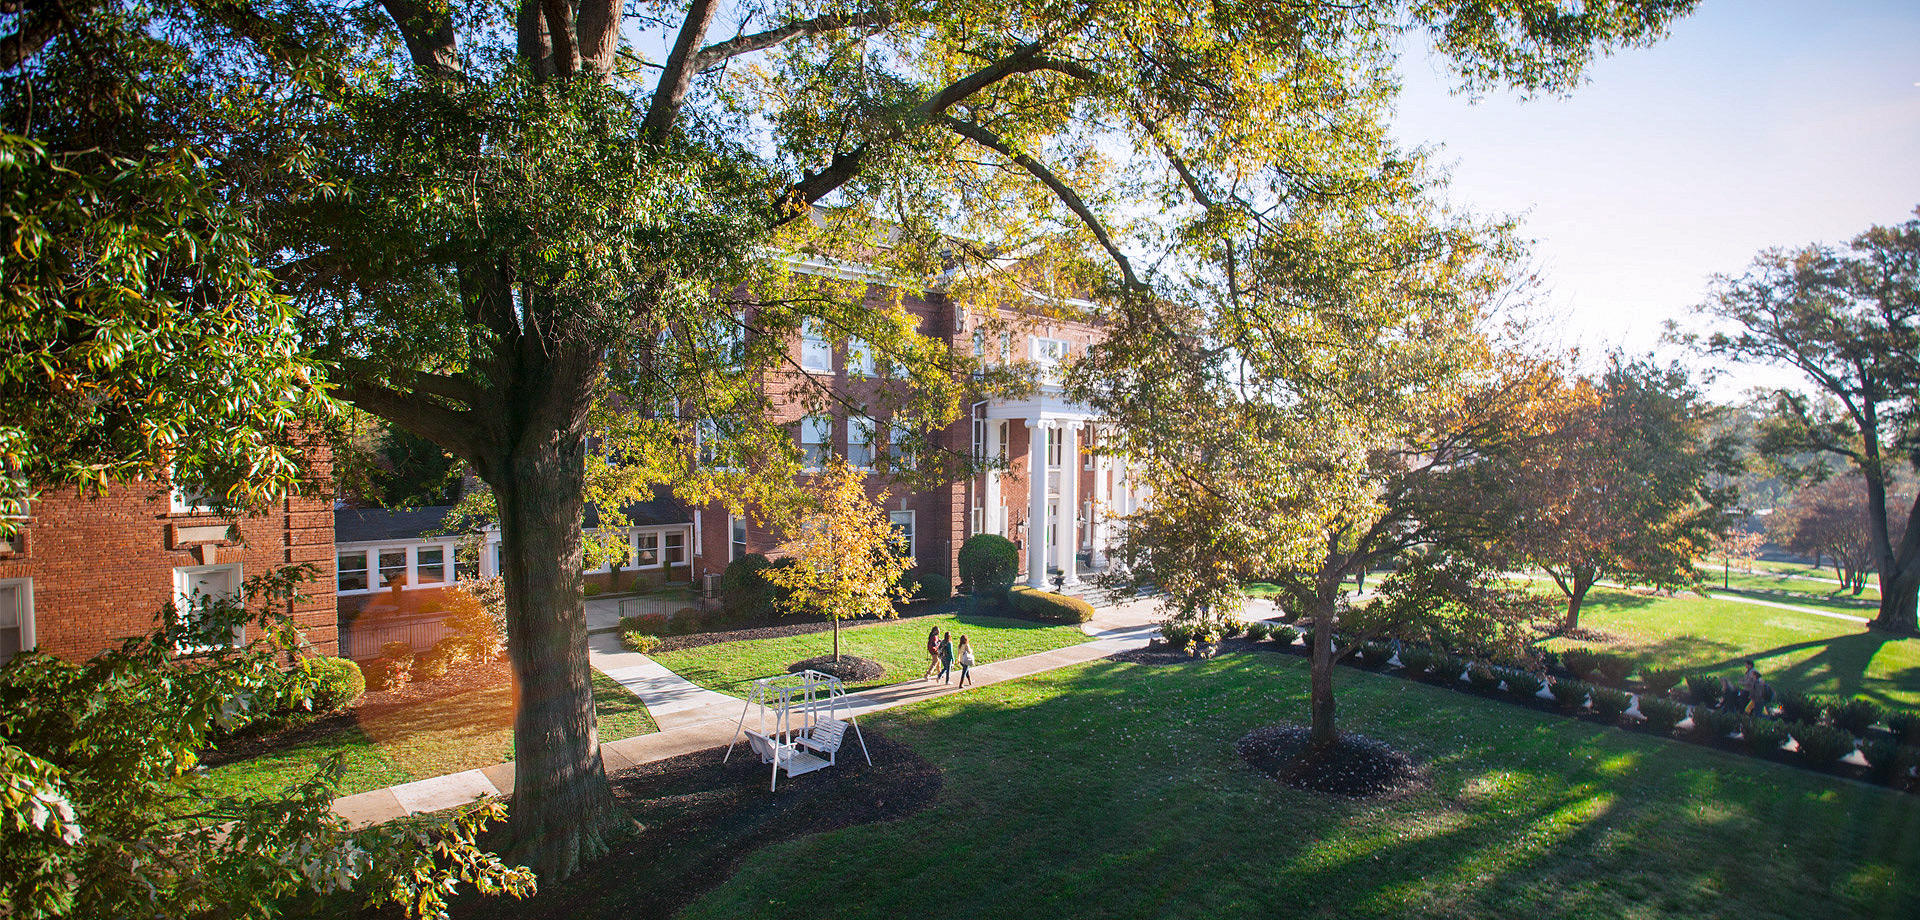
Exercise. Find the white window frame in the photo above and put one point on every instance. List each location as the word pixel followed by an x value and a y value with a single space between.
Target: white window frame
pixel 895 520
pixel 1056 442
pixel 1048 351
pixel 862 438
pixel 816 441
pixel 637 547
pixel 449 565
pixel 180 501
pixel 183 601
pixel 736 537
pixel 366 571
pixel 667 545
pixel 860 357
pixel 446 562
pixel 816 350
pixel 898 433
pixel 23 611
pixel 980 344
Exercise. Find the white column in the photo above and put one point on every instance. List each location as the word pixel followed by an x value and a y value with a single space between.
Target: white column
pixel 1102 499
pixel 1067 531
pixel 1036 504
pixel 990 497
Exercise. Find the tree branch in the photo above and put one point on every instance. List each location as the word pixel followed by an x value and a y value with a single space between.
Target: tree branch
pixel 428 31
pixel 39 23
pixel 457 431
pixel 566 54
pixel 721 52
pixel 675 79
pixel 598 22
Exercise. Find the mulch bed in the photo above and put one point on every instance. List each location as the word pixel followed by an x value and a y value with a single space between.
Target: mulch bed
pixel 701 818
pixel 1356 766
pixel 849 667
pixel 1158 652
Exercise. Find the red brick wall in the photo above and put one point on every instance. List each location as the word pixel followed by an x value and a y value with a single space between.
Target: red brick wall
pixel 103 567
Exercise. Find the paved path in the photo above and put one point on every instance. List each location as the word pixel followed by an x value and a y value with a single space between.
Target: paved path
pixel 1810 611
pixel 692 718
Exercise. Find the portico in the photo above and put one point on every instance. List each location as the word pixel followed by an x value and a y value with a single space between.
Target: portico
pixel 1071 495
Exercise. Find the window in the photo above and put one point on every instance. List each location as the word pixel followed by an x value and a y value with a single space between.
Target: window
pixel 499 558
pixel 192 499
pixel 1049 351
pixel 430 565
pixel 646 550
pixel 352 570
pixel 16 617
pixel 816 352
pixel 730 334
pixel 676 548
pixel 859 358
pixel 980 345
pixel 1004 436
pixel 198 590
pixel 1006 347
pixel 393 567
pixel 816 441
pixel 899 437
pixel 860 432
pixel 1055 438
pixel 738 526
pixel 902 522
pixel 979 439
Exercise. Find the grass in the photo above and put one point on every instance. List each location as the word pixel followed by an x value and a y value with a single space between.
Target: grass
pixel 1793 589
pixel 899 645
pixel 1796 651
pixel 1113 790
pixel 463 731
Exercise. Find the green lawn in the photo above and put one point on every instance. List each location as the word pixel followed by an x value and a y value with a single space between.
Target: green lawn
pixel 436 737
pixel 1797 651
pixel 1790 590
pixel 900 645
pixel 1113 790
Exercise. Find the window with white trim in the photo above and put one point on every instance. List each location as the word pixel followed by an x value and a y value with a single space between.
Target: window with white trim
pixel 859 358
pixel 1006 347
pixel 860 438
pixel 816 350
pixel 737 526
pixel 902 523
pixel 1049 351
pixel 393 566
pixel 646 550
pixel 899 440
pixel 816 441
pixel 197 589
pixel 1056 438
pixel 16 617
pixel 430 565
pixel 186 499
pixel 676 552
pixel 980 345
pixel 351 571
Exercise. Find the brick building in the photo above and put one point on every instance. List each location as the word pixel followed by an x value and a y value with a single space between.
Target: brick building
pixel 83 572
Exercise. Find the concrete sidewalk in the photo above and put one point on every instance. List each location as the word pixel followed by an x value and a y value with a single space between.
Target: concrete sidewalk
pixel 692 718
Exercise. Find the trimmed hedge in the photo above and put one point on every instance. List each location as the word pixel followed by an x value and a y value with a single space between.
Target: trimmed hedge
pixel 932 586
pixel 1662 714
pixel 1049 606
pixel 337 683
pixel 988 565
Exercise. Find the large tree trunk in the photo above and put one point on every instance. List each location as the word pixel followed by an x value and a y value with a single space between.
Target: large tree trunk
pixel 562 812
pixel 1322 732
pixel 1899 570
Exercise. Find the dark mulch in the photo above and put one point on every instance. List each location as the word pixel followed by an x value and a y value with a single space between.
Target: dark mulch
pixel 849 667
pixel 700 818
pixel 1159 652
pixel 1356 766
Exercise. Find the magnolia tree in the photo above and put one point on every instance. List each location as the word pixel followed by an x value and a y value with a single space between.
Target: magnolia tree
pixel 847 558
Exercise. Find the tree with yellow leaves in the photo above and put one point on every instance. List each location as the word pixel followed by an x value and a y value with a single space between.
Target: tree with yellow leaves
pixel 847 557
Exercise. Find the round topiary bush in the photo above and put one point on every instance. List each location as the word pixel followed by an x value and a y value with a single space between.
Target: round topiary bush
pixel 988 565
pixel 386 674
pixel 745 592
pixel 932 586
pixel 337 683
pixel 1048 606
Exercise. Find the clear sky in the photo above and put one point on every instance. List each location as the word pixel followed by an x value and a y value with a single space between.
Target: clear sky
pixel 1757 123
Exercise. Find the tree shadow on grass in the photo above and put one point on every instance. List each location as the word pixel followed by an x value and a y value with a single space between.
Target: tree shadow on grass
pixel 1843 659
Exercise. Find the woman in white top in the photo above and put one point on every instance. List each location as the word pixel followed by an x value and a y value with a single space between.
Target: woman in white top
pixel 966 661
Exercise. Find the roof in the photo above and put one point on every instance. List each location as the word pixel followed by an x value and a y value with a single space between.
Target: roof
pixel 375 525
pixel 663 508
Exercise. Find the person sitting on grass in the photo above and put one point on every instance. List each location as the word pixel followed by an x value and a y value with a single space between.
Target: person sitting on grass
pixel 933 653
pixel 966 662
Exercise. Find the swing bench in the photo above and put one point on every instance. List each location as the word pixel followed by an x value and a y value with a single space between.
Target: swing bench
pixel 806 729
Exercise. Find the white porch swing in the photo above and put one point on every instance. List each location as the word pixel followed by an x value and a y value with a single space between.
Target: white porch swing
pixel 801 727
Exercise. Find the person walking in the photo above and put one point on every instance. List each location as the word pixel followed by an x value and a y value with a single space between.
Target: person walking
pixel 946 658
pixel 933 653
pixel 1755 687
pixel 966 663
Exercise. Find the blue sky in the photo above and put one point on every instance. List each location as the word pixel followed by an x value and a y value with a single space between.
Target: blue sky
pixel 1755 124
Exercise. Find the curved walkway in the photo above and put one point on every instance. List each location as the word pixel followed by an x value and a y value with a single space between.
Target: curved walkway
pixel 692 718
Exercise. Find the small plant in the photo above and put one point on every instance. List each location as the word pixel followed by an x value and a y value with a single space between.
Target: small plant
pixel 1800 707
pixel 1451 668
pixel 1764 735
pixel 1613 668
pixel 1888 760
pixel 388 673
pixel 337 683
pixel 1714 724
pixel 1660 681
pixel 1821 745
pixel 1177 633
pixel 1285 635
pixel 432 664
pixel 1662 714
pixel 1258 630
pixel 1579 662
pixel 1418 661
pixel 1483 678
pixel 1703 688
pixel 653 624
pixel 1569 693
pixel 398 651
pixel 1856 716
pixel 1609 703
pixel 1376 653
pixel 455 648
pixel 591 589
pixel 636 641
pixel 1233 627
pixel 1905 726
pixel 1523 683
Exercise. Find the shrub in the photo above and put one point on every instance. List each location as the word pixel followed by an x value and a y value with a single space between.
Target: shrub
pixel 1232 627
pixel 1888 760
pixel 1451 668
pixel 639 642
pixel 432 664
pixel 1522 683
pixel 1660 680
pixel 1178 633
pixel 1703 688
pixel 1713 724
pixel 398 651
pixel 1856 716
pixel 745 593
pixel 479 614
pixel 456 648
pixel 1609 703
pixel 1376 653
pixel 1483 678
pixel 653 624
pixel 1905 726
pixel 337 683
pixel 1764 735
pixel 388 673
pixel 1662 714
pixel 1418 661
pixel 1046 605
pixel 1285 635
pixel 1258 630
pixel 1613 668
pixel 1569 693
pixel 1800 707
pixel 1821 745
pixel 988 565
pixel 590 589
pixel 932 586
pixel 1579 662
